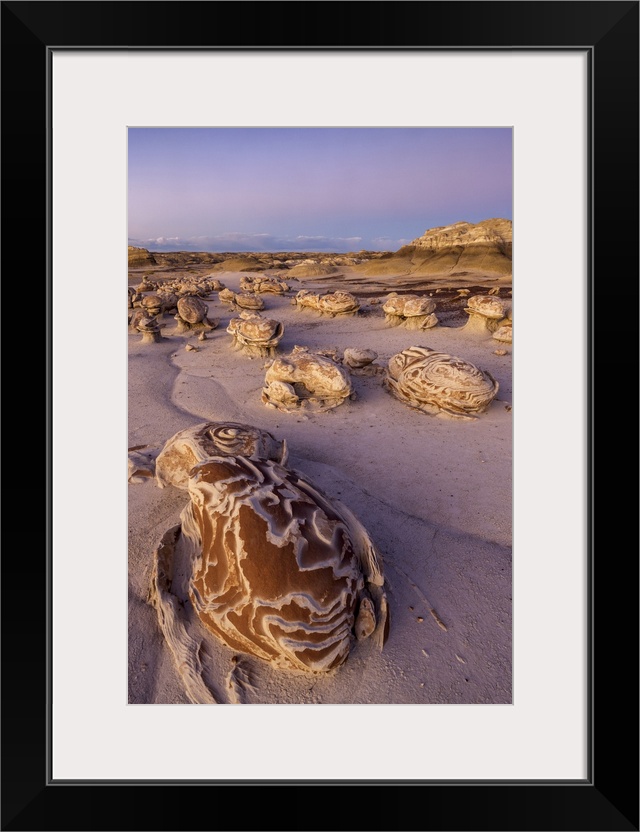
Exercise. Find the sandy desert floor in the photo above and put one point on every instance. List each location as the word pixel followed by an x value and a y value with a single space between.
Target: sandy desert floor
pixel 434 493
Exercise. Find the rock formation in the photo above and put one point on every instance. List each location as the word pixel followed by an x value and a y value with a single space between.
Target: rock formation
pixel 484 247
pixel 410 312
pixel 255 335
pixel 152 304
pixel 140 257
pixel 305 379
pixel 150 329
pixel 504 333
pixel 246 300
pixel 226 296
pixel 192 315
pixel 438 383
pixel 485 312
pixel 196 444
pixel 330 303
pixel 338 303
pixel 360 362
pixel 271 565
pixel 263 285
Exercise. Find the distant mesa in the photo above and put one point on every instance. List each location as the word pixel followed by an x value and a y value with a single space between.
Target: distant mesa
pixel 139 257
pixel 462 247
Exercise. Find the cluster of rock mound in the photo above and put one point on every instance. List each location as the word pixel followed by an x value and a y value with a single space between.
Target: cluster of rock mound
pixel 458 249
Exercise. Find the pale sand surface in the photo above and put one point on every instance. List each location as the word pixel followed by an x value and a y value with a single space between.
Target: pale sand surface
pixel 434 493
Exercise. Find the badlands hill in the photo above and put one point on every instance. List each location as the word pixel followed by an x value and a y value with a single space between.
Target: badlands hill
pixel 463 247
pixel 458 250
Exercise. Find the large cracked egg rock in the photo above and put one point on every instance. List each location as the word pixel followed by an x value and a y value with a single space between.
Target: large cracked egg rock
pixel 435 383
pixel 278 571
pixel 200 442
pixel 410 312
pixel 255 335
pixel 339 303
pixel 269 564
pixel 305 379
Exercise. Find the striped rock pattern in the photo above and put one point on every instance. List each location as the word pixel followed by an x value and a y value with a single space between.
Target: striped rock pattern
pixel 435 382
pixel 275 568
pixel 279 572
pixel 410 312
pixel 305 379
pixel 255 335
pixel 196 444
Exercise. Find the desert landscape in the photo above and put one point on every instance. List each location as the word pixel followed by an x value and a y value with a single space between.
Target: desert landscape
pixel 373 386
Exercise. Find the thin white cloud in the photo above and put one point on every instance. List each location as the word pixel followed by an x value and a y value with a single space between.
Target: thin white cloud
pixel 253 241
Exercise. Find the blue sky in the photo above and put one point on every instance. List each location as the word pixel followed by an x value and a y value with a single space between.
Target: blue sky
pixel 311 189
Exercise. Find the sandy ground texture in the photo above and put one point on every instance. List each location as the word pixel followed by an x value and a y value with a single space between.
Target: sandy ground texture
pixel 434 493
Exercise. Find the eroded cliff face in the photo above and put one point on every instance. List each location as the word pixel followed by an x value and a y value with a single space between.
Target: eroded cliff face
pixel 461 248
pixel 139 257
pixel 494 233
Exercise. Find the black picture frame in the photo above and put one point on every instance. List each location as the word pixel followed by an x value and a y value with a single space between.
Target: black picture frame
pixel 608 798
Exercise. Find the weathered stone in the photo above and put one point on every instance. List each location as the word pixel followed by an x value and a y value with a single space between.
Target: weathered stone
pixel 435 383
pixel 255 335
pixel 275 569
pixel 305 379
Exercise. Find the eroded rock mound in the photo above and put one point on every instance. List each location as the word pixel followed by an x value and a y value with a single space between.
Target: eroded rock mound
pixel 255 335
pixel 152 304
pixel 361 362
pixel 485 314
pixel 410 312
pixel 338 303
pixel 192 315
pixel 305 379
pixel 305 298
pixel 198 443
pixel 246 300
pixel 435 382
pixel 149 329
pixel 330 303
pixel 504 333
pixel 270 564
pixel 279 572
pixel 140 257
pixel 226 295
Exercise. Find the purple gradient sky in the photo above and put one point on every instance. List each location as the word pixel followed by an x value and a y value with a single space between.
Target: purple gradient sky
pixel 311 189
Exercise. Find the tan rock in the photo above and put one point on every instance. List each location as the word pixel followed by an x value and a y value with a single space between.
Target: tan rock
pixel 226 296
pixel 247 284
pixel 152 304
pixel 140 257
pixel 309 582
pixel 255 335
pixel 245 300
pixel 305 379
pixel 135 319
pixel 438 383
pixel 338 303
pixel 305 298
pixel 504 333
pixel 271 285
pixel 355 358
pixel 198 443
pixel 192 315
pixel 150 330
pixel 484 313
pixel 410 312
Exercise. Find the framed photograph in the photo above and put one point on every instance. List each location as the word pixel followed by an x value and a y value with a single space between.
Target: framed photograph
pixel 89 741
